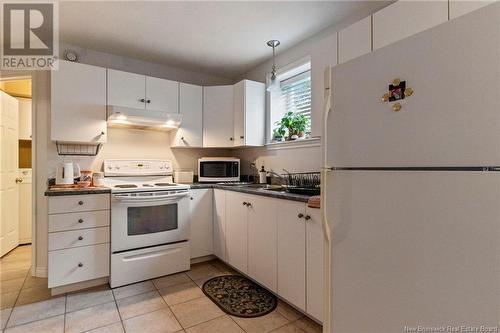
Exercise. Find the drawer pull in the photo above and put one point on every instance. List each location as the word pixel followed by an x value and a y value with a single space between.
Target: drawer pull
pixel 80 264
pixel 80 238
pixel 80 202
pixel 80 220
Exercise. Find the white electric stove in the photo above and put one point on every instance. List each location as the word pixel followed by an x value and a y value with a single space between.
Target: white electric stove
pixel 150 223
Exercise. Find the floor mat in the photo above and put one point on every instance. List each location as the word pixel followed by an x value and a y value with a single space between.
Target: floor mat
pixel 238 296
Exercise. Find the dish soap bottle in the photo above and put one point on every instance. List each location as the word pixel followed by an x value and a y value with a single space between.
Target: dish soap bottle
pixel 262 176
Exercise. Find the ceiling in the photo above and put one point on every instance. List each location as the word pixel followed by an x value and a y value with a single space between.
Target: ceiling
pixel 224 38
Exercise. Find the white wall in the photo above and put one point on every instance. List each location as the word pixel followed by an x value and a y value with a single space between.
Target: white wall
pixel 118 62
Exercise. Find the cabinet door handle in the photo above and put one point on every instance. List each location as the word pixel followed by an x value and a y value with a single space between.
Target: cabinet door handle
pixel 142 100
pixel 231 139
pixel 80 202
pixel 80 238
pixel 182 138
pixel 249 204
pixel 245 203
pixel 242 137
pixel 307 217
pixel 148 101
pixel 80 264
pixel 80 220
pixel 19 180
pixel 192 198
pixel 102 133
pixel 300 215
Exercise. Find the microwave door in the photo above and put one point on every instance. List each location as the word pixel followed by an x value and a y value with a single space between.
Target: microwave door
pixel 219 171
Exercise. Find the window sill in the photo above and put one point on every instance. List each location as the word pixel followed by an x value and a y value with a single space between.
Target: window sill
pixel 302 143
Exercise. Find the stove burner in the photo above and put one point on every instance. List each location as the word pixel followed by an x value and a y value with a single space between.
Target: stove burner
pixel 164 184
pixel 126 186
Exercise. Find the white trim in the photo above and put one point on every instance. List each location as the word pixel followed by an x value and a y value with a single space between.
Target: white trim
pixel 40 272
pixel 300 143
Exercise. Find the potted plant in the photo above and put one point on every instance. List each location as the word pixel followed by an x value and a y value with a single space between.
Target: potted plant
pixel 294 123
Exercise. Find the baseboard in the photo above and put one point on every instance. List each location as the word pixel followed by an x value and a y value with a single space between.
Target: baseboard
pixel 203 259
pixel 79 286
pixel 40 272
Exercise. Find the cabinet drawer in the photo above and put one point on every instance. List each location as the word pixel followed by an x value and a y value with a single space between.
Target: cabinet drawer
pixel 78 203
pixel 76 238
pixel 80 220
pixel 78 264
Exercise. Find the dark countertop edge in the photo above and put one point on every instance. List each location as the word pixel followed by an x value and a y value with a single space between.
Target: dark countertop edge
pixel 253 191
pixel 76 191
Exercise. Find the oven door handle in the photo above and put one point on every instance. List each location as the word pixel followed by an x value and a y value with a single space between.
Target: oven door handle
pixel 124 198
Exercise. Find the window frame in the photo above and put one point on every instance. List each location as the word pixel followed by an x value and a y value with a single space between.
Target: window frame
pixel 283 73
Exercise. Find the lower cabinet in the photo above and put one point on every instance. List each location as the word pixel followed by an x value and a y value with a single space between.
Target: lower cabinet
pixel 292 253
pixel 276 242
pixel 262 233
pixel 200 211
pixel 237 231
pixel 219 221
pixel 314 263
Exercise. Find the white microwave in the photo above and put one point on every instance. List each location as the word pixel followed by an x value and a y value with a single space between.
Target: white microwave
pixel 218 169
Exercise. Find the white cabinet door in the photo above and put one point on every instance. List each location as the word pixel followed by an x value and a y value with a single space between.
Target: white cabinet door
pixel 461 7
pixel 200 212
pixel 162 95
pixel 236 230
pixel 292 253
pixel 262 239
pixel 78 103
pixel 24 118
pixel 355 40
pixel 249 113
pixel 219 212
pixel 406 18
pixel 314 266
pixel 190 133
pixel 126 89
pixel 218 116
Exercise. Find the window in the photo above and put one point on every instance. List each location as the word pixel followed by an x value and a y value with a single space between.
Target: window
pixel 290 103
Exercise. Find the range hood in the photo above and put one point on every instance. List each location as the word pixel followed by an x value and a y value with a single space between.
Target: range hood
pixel 119 116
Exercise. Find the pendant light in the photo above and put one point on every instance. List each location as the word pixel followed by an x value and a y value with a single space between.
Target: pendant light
pixel 273 84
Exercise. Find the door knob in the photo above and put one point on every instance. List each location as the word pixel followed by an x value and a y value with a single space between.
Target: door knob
pixel 148 101
pixel 80 238
pixel 142 100
pixel 300 215
pixel 80 264
pixel 307 217
pixel 249 204
pixel 19 180
pixel 80 202
pixel 245 203
pixel 80 220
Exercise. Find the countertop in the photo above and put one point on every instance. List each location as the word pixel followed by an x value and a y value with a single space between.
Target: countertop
pixel 52 192
pixel 255 191
pixel 243 189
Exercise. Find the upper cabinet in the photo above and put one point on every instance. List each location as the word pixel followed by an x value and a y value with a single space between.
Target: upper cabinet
pixel 78 98
pixel 218 116
pixel 355 40
pixel 190 133
pixel 249 113
pixel 405 18
pixel 142 92
pixel 461 7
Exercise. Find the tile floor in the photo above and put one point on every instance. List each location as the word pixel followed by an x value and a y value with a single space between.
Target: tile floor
pixel 173 303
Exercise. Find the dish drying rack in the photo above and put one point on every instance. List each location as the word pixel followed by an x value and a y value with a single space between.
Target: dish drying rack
pixel 76 149
pixel 303 182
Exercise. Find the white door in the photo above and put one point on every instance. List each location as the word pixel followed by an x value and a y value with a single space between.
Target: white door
pixel 126 89
pixel 440 124
pixel 9 195
pixel 239 113
pixel 413 248
pixel 292 252
pixel 190 133
pixel 200 212
pixel 78 103
pixel 314 263
pixel 24 118
pixel 25 206
pixel 262 238
pixel 218 116
pixel 162 95
pixel 220 224
pixel 236 230
pixel 249 113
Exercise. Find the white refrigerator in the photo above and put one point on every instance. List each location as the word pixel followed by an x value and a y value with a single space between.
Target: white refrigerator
pixel 411 198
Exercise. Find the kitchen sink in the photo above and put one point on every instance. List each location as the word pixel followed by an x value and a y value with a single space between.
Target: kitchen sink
pixel 262 186
pixel 275 189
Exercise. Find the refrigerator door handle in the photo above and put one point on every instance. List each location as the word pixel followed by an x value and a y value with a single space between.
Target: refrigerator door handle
pixel 324 220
